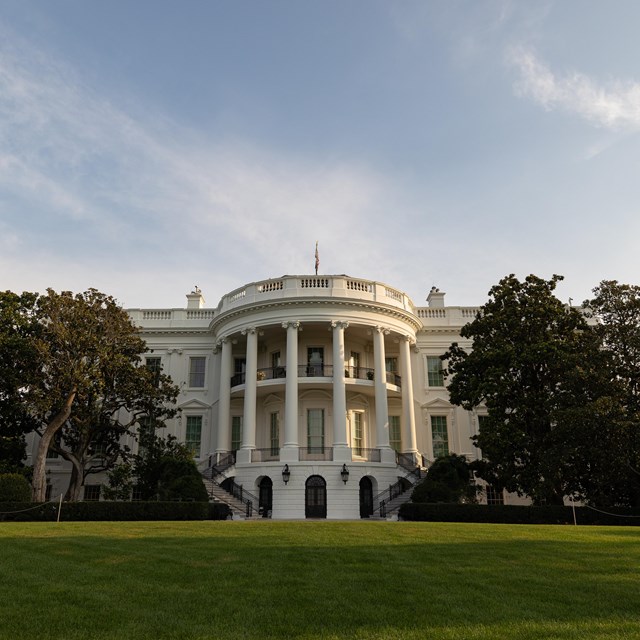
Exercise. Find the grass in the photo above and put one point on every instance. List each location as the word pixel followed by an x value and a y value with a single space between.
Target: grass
pixel 310 580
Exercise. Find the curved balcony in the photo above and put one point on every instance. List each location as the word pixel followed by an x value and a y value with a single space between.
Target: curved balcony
pixel 337 286
pixel 316 371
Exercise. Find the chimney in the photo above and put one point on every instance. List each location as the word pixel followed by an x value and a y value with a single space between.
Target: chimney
pixel 195 299
pixel 435 299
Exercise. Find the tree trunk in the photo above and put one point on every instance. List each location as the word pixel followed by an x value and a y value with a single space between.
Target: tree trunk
pixel 75 484
pixel 39 482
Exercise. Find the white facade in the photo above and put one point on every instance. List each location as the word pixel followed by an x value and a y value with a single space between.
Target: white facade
pixel 316 373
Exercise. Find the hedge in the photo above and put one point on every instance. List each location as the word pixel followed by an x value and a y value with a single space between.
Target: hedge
pixel 512 514
pixel 105 510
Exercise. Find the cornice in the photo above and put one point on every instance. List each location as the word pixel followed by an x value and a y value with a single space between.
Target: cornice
pixel 374 307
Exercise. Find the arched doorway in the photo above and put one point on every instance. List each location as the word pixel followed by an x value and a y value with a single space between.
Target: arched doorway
pixel 366 497
pixel 266 497
pixel 315 497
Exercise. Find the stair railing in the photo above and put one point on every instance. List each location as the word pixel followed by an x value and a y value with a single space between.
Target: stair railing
pixel 403 484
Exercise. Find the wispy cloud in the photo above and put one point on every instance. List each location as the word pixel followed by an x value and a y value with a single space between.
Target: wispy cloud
pixel 614 104
pixel 147 194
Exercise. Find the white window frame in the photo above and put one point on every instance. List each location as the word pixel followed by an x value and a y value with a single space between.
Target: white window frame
pixel 191 442
pixel 192 373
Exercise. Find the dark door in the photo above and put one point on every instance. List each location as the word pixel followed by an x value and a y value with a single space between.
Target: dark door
pixel 315 504
pixel 266 497
pixel 366 497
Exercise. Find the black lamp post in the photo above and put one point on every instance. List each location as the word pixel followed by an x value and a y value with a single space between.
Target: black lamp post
pixel 344 473
pixel 286 474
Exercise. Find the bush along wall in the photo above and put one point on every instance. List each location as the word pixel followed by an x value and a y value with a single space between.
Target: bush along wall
pixel 87 511
pixel 512 514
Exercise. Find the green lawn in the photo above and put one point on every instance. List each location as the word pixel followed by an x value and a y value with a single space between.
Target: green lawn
pixel 342 580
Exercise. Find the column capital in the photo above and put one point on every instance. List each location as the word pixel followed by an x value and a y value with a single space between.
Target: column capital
pixel 248 330
pixel 338 324
pixel 407 338
pixel 383 330
pixel 292 324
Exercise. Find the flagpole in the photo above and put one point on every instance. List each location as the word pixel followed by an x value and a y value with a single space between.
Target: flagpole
pixel 317 258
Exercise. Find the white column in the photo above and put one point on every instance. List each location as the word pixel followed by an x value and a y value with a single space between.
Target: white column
pixel 224 398
pixel 250 384
pixel 339 391
pixel 380 377
pixel 290 447
pixel 408 412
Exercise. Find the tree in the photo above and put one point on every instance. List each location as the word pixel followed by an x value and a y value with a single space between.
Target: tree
pixel 448 479
pixel 165 470
pixel 91 387
pixel 615 308
pixel 528 351
pixel 18 369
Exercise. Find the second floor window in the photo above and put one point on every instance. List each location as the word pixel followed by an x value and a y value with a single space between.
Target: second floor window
pixel 196 371
pixel 435 374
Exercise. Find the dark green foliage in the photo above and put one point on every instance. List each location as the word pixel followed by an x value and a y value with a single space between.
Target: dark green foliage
pixel 513 514
pixel 77 511
pixel 18 370
pixel 529 355
pixel 121 482
pixel 181 480
pixel 165 470
pixel 449 479
pixel 14 487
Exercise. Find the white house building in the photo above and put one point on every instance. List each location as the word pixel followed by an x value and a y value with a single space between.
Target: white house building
pixel 315 394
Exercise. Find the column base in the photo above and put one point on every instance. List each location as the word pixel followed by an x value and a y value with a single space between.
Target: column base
pixel 289 454
pixel 342 453
pixel 243 456
pixel 387 455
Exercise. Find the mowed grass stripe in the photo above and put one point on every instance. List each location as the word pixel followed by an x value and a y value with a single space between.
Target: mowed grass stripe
pixel 311 580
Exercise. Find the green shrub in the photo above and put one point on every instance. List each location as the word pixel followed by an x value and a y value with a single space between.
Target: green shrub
pixel 14 488
pixel 117 511
pixel 515 514
pixel 449 479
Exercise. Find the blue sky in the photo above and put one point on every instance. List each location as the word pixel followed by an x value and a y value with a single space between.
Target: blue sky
pixel 150 146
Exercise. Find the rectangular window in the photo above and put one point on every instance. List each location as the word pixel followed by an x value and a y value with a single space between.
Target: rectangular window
pixel 275 433
pixel 236 432
pixel 494 496
pixel 146 431
pixel 357 433
pixel 435 375
pixel 315 430
pixel 92 492
pixel 136 494
pixel 196 372
pixel 439 436
pixel 315 361
pixel 354 364
pixel 47 492
pixel 391 365
pixel 155 367
pixel 194 434
pixel 395 438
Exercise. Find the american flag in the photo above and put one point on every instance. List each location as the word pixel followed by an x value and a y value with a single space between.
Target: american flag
pixel 317 258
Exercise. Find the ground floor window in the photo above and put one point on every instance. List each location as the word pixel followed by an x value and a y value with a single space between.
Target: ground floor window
pixel 236 432
pixel 395 438
pixel 194 434
pixel 275 433
pixel 92 492
pixel 357 438
pixel 494 496
pixel 439 436
pixel 315 430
